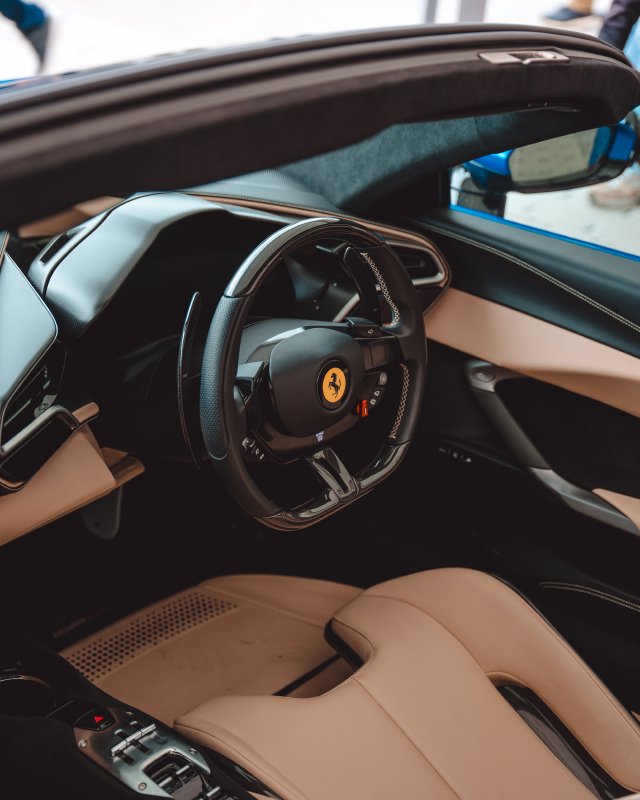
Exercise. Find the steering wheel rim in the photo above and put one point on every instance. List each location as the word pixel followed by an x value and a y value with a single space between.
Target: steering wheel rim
pixel 221 406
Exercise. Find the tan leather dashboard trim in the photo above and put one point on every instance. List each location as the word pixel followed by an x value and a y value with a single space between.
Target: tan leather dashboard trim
pixel 86 413
pixel 59 223
pixel 538 349
pixel 76 475
pixel 124 467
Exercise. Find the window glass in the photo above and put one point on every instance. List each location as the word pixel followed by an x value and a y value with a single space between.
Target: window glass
pixel 606 215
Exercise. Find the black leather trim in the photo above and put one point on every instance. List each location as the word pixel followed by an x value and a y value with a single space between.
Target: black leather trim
pixel 291 687
pixel 27 328
pixel 113 246
pixel 555 735
pixel 591 292
pixel 270 185
pixel 341 647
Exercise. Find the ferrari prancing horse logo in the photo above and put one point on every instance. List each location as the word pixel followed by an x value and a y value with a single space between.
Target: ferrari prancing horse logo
pixel 334 385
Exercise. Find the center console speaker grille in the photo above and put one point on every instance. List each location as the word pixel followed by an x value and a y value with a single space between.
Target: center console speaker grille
pixel 126 640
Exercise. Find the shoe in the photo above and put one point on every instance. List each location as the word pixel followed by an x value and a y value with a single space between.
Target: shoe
pixel 622 193
pixel 38 38
pixel 566 14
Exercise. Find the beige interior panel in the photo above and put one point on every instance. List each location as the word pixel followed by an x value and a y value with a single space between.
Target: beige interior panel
pixel 59 223
pixel 86 413
pixel 74 476
pixel 629 506
pixel 77 474
pixel 422 717
pixel 123 466
pixel 245 634
pixel 524 344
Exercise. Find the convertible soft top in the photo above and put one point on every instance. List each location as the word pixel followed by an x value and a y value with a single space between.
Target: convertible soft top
pixel 187 119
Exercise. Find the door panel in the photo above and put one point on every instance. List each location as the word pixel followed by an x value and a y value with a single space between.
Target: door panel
pixel 526 344
pixel 565 317
pixel 575 286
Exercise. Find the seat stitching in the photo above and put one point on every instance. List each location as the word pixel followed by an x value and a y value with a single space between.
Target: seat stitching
pixel 536 271
pixel 354 678
pixel 597 593
pixel 244 757
pixel 619 709
pixel 583 667
pixel 406 736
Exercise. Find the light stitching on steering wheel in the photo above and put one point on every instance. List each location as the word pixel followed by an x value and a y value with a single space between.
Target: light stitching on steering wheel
pixel 403 401
pixel 395 314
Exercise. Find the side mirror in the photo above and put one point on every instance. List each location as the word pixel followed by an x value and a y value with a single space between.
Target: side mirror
pixel 579 159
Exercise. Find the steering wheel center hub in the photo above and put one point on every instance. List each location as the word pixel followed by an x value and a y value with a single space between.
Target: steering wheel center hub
pixel 333 383
pixel 315 379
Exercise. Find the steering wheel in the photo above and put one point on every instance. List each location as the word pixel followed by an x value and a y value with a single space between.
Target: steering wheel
pixel 282 389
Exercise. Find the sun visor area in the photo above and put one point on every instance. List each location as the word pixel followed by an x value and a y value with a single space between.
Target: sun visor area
pixel 350 177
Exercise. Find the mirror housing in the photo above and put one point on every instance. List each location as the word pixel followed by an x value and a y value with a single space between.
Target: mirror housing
pixel 567 162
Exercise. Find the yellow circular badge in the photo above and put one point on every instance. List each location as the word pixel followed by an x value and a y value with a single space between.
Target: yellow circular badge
pixel 334 385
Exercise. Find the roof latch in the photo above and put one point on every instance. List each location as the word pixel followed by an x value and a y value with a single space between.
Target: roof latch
pixel 522 56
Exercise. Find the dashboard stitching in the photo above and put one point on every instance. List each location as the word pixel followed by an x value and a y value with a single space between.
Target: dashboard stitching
pixel 538 272
pixel 382 229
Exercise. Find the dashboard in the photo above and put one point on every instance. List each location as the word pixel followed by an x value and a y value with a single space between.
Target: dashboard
pixel 107 325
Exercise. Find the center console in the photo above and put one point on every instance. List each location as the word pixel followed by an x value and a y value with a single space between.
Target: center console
pixel 81 742
pixel 142 754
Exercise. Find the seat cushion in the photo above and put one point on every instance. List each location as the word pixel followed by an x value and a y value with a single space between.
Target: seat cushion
pixel 238 634
pixel 423 716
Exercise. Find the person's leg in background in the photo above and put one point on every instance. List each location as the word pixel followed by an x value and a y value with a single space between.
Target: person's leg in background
pixel 570 12
pixel 617 25
pixel 618 29
pixel 32 21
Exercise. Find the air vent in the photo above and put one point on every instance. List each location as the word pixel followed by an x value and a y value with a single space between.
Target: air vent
pixel 56 246
pixel 427 274
pixel 419 263
pixel 37 393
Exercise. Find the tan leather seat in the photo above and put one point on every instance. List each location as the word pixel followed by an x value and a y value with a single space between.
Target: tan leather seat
pixel 422 717
pixel 236 634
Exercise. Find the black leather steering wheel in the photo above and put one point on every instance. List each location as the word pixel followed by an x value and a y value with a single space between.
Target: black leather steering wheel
pixel 309 380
